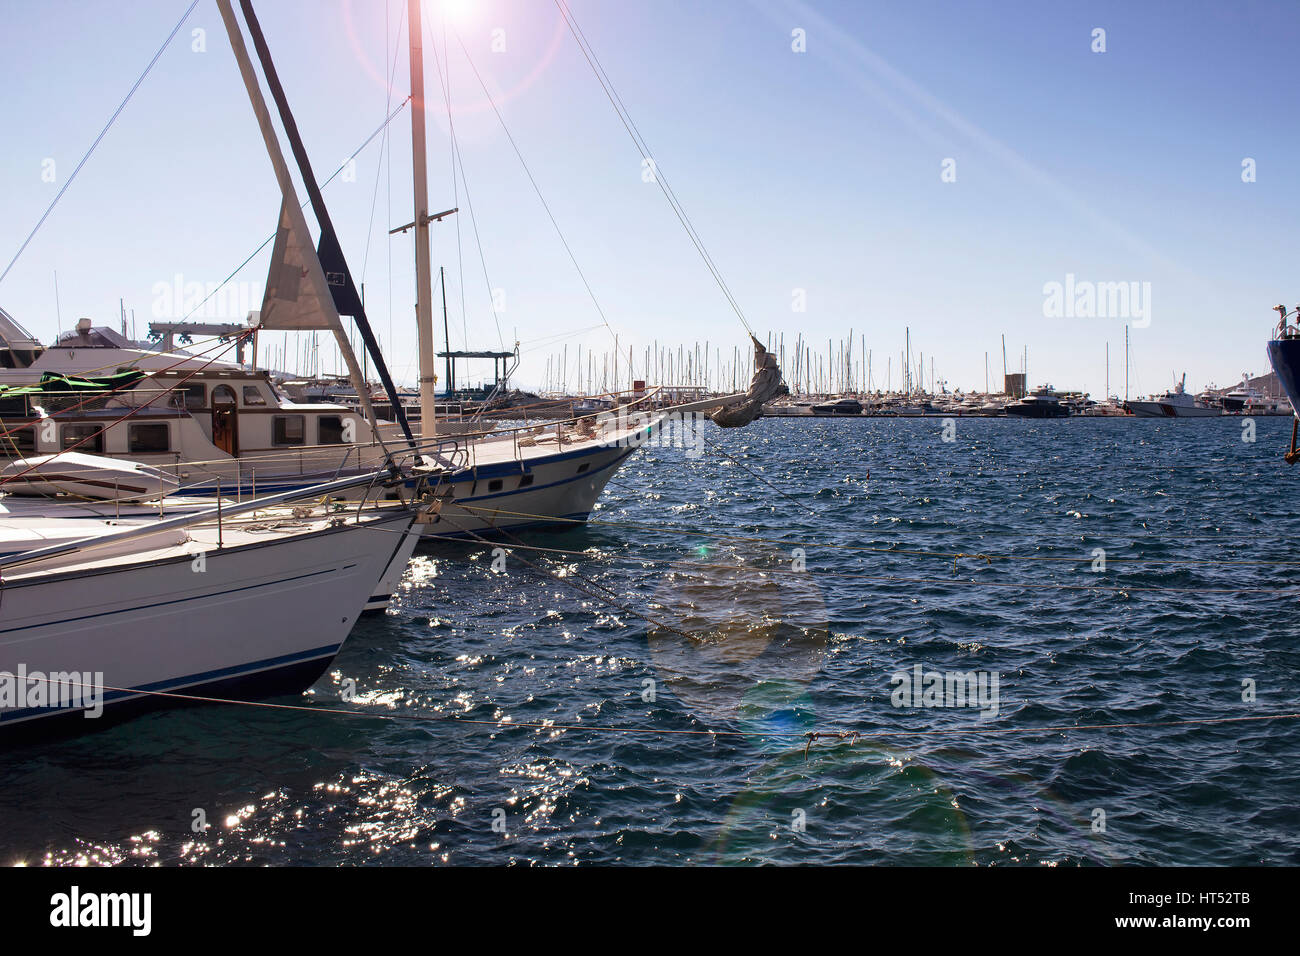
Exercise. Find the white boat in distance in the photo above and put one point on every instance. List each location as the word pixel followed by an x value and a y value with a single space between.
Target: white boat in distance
pixel 254 602
pixel 1175 404
pixel 1246 399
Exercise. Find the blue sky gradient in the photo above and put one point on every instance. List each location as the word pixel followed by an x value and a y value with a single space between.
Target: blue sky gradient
pixel 817 171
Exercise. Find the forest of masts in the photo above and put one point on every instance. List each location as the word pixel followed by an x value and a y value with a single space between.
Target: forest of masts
pixel 847 367
pixel 843 368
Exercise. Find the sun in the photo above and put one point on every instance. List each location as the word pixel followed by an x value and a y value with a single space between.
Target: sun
pixel 456 11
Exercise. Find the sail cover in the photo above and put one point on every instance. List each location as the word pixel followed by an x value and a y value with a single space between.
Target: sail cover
pixel 763 387
pixel 291 301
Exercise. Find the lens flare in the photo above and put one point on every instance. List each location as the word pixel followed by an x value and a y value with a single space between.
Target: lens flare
pixel 456 11
pixel 359 24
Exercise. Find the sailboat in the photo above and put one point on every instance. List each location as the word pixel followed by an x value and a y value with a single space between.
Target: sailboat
pixel 239 601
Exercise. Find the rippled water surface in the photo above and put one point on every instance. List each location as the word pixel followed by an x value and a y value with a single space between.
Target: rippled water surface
pixel 680 611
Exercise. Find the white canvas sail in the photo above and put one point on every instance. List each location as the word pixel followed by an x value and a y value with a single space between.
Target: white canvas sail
pixel 291 300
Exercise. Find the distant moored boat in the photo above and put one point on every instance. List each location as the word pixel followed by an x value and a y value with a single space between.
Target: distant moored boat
pixel 1175 404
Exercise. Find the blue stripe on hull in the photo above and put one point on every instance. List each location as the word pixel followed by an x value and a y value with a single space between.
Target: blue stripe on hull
pixel 288 674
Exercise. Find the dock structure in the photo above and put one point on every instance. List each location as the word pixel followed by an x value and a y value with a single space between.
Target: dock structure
pixel 500 371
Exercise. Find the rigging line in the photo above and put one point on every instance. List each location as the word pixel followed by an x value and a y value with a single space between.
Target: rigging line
pixel 458 160
pixel 224 282
pixel 537 189
pixel 812 735
pixel 612 594
pixel 445 65
pixel 543 340
pixel 753 474
pixel 102 133
pixel 374 202
pixel 566 580
pixel 642 146
pixel 383 145
pixel 629 124
pixel 538 547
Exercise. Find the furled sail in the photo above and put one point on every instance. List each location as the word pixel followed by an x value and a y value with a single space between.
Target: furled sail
pixel 763 387
pixel 291 300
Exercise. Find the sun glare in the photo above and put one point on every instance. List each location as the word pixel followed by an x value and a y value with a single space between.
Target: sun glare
pixel 456 11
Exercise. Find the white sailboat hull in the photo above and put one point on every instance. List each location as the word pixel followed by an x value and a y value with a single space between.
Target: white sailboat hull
pixel 563 490
pixel 260 617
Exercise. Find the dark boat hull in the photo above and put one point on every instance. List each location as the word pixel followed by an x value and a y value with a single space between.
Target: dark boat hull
pixel 1038 410
pixel 1284 355
pixel 838 408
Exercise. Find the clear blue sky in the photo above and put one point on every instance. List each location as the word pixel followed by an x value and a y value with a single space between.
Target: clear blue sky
pixel 817 170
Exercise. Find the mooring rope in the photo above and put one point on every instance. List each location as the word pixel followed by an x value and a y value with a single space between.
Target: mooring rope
pixel 809 736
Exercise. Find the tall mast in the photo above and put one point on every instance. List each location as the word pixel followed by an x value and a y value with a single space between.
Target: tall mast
pixel 423 274
pixel 907 364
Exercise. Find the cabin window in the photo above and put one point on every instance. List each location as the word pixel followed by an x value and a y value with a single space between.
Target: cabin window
pixel 495 484
pixel 190 397
pixel 253 396
pixel 19 443
pixel 149 437
pixel 289 430
pixel 83 438
pixel 525 481
pixel 329 430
